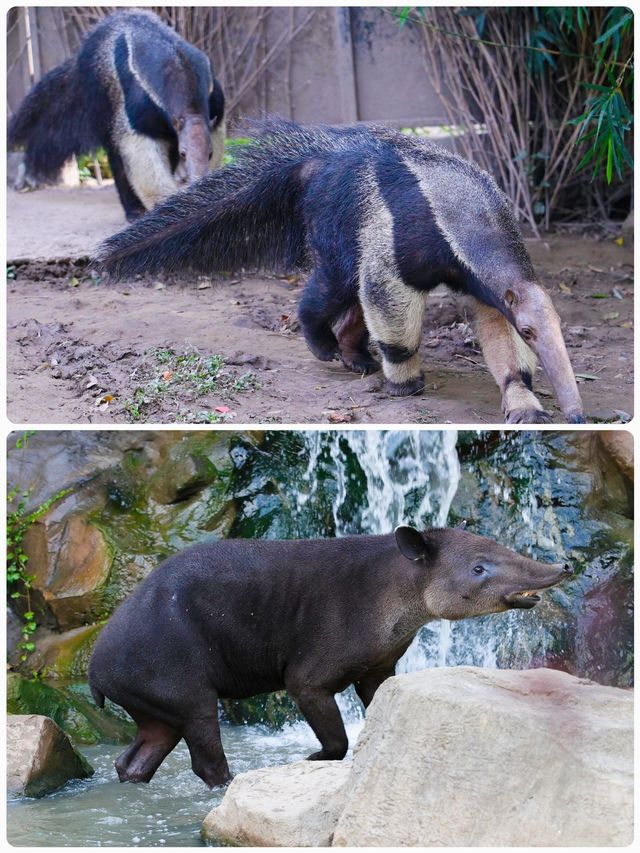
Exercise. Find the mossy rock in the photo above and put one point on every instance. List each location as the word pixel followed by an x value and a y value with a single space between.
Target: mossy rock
pixel 70 709
pixel 65 656
pixel 269 709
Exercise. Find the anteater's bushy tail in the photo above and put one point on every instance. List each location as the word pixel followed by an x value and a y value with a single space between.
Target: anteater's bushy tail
pixel 248 214
pixel 52 123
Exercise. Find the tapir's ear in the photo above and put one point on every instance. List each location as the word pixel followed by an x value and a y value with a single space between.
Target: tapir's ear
pixel 411 543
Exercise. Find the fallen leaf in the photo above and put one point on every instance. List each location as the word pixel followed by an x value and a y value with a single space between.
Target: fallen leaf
pixel 159 285
pixel 92 382
pixel 619 241
pixel 73 281
pixel 565 288
pixel 167 375
pixel 222 409
pixel 598 295
pixel 613 316
pixel 339 417
pixel 627 325
pixel 617 293
pixel 594 269
pixel 588 376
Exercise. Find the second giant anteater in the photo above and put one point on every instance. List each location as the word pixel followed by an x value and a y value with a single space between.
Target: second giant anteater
pixel 379 218
pixel 138 90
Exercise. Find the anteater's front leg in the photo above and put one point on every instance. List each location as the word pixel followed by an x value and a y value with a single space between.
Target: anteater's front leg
pixel 320 710
pixel 512 365
pixel 393 312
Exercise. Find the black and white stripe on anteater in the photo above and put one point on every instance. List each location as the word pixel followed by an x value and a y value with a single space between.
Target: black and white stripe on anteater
pixel 379 218
pixel 140 91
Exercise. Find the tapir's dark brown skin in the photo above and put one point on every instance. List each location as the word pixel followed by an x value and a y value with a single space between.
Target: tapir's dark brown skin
pixel 235 618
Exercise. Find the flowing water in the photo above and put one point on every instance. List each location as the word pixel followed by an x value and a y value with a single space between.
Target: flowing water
pixel 324 484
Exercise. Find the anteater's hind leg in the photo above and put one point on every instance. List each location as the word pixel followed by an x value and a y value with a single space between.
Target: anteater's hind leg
pixel 202 734
pixel 316 312
pixel 353 341
pixel 152 744
pixel 512 365
pixel 393 313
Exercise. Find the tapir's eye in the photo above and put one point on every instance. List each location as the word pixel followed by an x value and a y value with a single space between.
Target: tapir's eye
pixel 479 570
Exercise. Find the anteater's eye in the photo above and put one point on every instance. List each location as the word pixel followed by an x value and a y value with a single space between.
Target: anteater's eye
pixel 479 570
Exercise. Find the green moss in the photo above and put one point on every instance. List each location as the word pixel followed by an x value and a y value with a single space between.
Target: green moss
pixel 270 709
pixel 72 710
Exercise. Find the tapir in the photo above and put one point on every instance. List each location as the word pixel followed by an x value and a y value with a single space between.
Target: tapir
pixel 235 618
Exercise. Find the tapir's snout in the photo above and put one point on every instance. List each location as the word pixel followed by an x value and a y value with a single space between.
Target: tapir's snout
pixel 527 597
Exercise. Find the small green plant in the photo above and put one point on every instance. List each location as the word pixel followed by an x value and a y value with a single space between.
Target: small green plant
pixel 172 376
pixel 19 581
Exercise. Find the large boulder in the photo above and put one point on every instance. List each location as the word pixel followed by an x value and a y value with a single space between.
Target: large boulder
pixel 296 805
pixel 40 757
pixel 476 757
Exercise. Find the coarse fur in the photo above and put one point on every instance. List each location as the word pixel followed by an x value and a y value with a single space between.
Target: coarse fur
pixel 140 91
pixel 380 219
pixel 235 618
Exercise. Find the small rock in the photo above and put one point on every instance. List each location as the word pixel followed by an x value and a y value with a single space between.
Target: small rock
pixel 40 758
pixel 292 806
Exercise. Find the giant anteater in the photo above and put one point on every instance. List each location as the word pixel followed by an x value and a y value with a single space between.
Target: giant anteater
pixel 380 218
pixel 140 91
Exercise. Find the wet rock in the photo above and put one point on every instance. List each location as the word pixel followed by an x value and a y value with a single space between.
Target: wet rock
pixel 548 756
pixel 71 708
pixel 66 655
pixel 71 563
pixel 620 446
pixel 40 758
pixel 269 709
pixel 296 805
pixel 183 477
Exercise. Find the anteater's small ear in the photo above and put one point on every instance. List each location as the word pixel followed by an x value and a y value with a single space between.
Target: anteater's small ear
pixel 411 543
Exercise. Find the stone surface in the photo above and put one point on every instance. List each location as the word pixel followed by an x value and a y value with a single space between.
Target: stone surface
pixel 476 757
pixel 620 446
pixel 296 805
pixel 40 758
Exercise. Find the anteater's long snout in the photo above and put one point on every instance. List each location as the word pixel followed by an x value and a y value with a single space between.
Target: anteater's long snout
pixel 194 145
pixel 538 323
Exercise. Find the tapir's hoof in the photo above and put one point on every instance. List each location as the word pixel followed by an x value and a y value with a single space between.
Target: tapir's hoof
pixel 528 416
pixel 405 389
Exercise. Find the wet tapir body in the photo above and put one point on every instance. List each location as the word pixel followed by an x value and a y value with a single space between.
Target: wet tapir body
pixel 236 618
pixel 140 91
pixel 379 219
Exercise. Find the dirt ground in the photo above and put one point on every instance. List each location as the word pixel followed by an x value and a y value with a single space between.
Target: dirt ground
pixel 197 350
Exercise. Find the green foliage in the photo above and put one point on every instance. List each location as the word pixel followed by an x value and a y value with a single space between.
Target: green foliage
pixel 19 581
pixel 231 145
pixel 597 44
pixel 87 168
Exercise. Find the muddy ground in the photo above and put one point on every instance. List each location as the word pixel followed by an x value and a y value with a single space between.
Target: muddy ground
pixel 196 350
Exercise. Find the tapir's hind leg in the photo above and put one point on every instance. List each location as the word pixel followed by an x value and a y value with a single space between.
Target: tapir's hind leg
pixel 512 365
pixel 320 710
pixel 393 313
pixel 202 734
pixel 152 744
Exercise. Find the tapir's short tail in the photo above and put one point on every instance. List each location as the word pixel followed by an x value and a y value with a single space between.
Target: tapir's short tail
pixel 98 697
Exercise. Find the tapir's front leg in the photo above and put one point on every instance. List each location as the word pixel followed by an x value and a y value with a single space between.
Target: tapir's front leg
pixel 366 687
pixel 320 710
pixel 512 365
